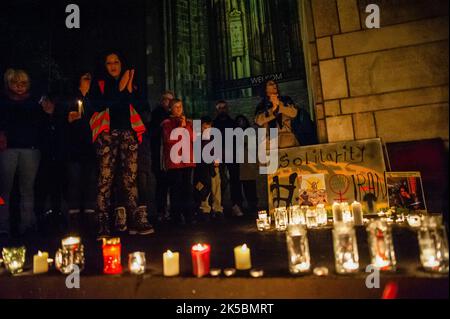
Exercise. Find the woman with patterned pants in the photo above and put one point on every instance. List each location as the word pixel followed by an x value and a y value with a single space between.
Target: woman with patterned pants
pixel 117 131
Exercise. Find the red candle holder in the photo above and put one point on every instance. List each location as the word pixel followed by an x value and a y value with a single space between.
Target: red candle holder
pixel 201 259
pixel 111 256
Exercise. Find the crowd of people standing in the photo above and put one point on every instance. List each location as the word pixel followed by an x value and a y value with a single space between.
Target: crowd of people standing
pixel 88 159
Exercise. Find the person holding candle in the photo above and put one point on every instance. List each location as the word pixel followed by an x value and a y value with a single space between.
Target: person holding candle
pixel 117 130
pixel 179 170
pixel 80 154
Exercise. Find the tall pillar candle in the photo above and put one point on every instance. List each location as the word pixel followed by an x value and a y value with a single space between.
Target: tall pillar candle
pixel 337 212
pixel 40 263
pixel 357 213
pixel 171 264
pixel 242 257
pixel 201 259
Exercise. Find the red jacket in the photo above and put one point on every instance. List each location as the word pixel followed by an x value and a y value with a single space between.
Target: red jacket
pixel 187 160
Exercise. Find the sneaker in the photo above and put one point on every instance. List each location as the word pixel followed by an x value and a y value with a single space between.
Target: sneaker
pixel 236 211
pixel 139 224
pixel 103 227
pixel 120 223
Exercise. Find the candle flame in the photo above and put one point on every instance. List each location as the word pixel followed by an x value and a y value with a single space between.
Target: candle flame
pixel 244 247
pixel 169 253
pixel 199 247
pixel 39 253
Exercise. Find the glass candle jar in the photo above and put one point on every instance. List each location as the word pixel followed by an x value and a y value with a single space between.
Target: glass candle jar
pixel 136 263
pixel 298 249
pixel 260 223
pixel 294 215
pixel 67 258
pixel 337 212
pixel 433 245
pixel 112 256
pixel 357 213
pixel 345 248
pixel 322 217
pixel 381 245
pixel 281 218
pixel 311 218
pixel 303 211
pixel 265 220
pixel 14 259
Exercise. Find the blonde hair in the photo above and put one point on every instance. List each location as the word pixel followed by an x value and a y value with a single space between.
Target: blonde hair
pixel 12 75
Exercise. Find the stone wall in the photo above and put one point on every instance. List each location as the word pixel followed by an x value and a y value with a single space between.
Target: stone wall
pixel 390 82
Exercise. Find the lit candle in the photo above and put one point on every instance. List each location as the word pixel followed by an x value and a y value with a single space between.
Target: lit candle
pixel 111 256
pixel 337 212
pixel 71 243
pixel 40 263
pixel 381 263
pixel 242 257
pixel 429 259
pixel 171 263
pixel 357 213
pixel 136 263
pixel 350 265
pixel 80 107
pixel 347 216
pixel 200 259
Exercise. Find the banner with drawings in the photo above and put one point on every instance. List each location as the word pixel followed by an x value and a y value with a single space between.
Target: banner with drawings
pixel 325 173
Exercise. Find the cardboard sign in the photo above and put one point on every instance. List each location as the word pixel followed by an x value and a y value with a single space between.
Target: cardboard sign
pixel 326 173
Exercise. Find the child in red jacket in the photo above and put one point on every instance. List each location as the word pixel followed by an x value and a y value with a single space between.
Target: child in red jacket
pixel 178 161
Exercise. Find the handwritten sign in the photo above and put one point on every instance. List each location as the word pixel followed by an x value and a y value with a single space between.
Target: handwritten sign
pixel 352 170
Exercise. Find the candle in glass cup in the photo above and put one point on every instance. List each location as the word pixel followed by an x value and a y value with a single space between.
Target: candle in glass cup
pixel 71 243
pixel 201 259
pixel 260 224
pixel 357 213
pixel 112 256
pixel 136 263
pixel 242 257
pixel 311 218
pixel 337 212
pixel 171 263
pixel 322 217
pixel 40 263
pixel 14 259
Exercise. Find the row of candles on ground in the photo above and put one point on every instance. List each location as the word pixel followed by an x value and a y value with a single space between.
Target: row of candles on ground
pixel 309 216
pixel 72 254
pixel 313 217
pixel 432 237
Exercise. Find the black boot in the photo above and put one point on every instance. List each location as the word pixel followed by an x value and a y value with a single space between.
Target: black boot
pixel 103 226
pixel 139 222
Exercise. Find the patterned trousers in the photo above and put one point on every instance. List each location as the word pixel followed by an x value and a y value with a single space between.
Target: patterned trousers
pixel 118 154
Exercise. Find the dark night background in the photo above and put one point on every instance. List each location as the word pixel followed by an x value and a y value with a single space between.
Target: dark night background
pixel 33 36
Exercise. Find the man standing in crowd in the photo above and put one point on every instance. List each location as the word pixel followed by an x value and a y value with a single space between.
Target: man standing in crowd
pixel 159 114
pixel 223 121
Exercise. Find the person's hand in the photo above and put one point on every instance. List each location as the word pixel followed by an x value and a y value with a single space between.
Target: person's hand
pixel 183 121
pixel 130 82
pixel 74 116
pixel 124 80
pixel 85 84
pixel 275 102
pixel 48 106
pixel 3 142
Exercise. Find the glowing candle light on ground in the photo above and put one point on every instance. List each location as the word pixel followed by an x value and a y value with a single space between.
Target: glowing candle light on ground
pixel 40 263
pixel 111 256
pixel 171 263
pixel 201 259
pixel 242 257
pixel 71 243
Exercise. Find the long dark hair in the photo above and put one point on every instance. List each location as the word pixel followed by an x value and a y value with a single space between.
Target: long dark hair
pixel 103 72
